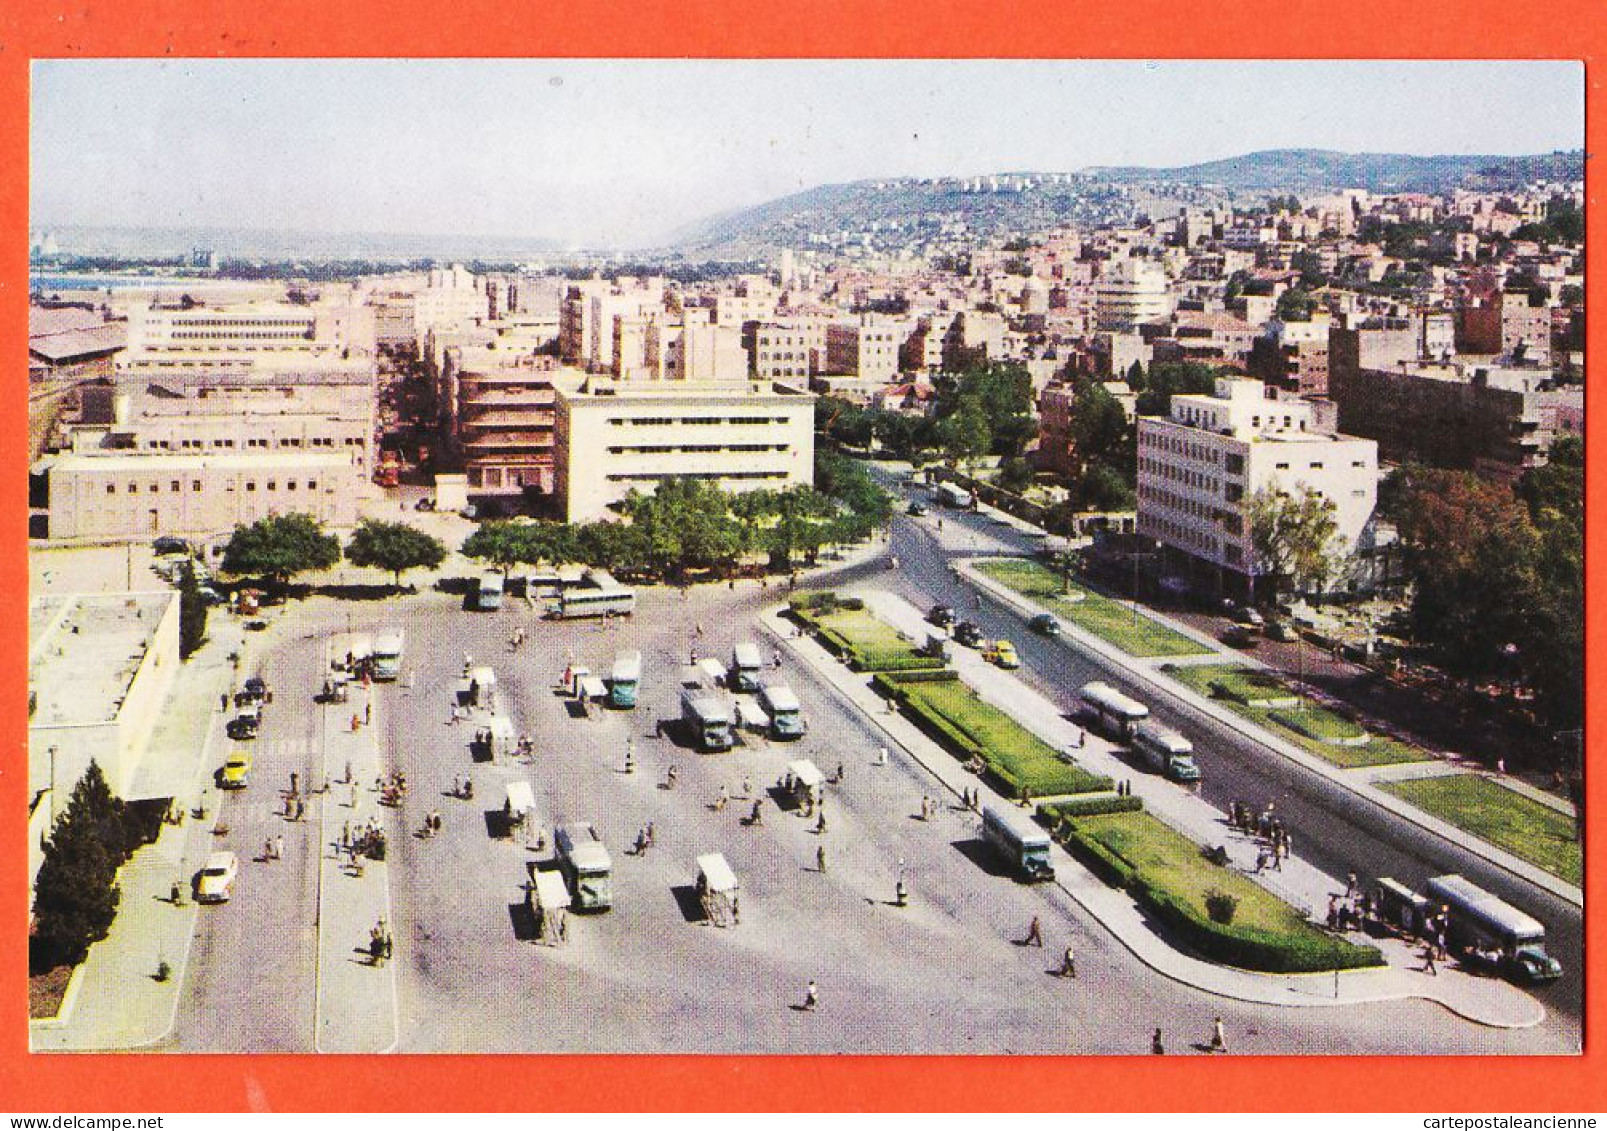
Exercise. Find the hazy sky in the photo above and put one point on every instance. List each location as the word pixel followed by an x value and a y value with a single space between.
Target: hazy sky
pixel 625 152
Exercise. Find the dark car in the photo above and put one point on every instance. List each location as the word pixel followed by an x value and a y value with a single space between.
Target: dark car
pixel 941 615
pixel 968 634
pixel 1045 625
pixel 167 544
pixel 1239 636
pixel 916 508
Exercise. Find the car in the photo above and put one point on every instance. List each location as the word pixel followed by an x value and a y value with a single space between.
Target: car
pixel 1239 636
pixel 1003 653
pixel 941 615
pixel 968 634
pixel 916 509
pixel 1281 630
pixel 1044 624
pixel 211 596
pixel 236 772
pixel 167 544
pixel 1245 615
pixel 215 882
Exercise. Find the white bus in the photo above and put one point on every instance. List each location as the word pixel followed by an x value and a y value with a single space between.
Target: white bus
pixel 1114 713
pixel 951 496
pixel 598 595
pixel 1166 751
pixel 489 594
pixel 386 661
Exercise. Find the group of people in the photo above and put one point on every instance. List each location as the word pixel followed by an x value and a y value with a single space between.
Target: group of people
pixel 379 943
pixel 1266 827
pixel 368 840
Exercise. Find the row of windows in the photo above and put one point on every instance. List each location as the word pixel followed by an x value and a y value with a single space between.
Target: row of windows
pixel 1180 534
pixel 624 477
pixel 177 485
pixel 664 449
pixel 1164 469
pixel 242 335
pixel 254 442
pixel 1208 512
pixel 304 323
pixel 1168 442
pixel 661 421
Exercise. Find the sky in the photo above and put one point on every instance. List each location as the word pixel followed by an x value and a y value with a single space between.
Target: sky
pixel 620 153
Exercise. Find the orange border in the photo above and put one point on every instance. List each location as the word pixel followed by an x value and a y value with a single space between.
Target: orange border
pixel 1470 29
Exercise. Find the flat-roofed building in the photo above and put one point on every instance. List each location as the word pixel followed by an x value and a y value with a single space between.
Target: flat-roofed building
pixel 100 667
pixel 116 496
pixel 330 333
pixel 790 351
pixel 1199 467
pixel 500 420
pixel 1131 293
pixel 614 436
pixel 866 348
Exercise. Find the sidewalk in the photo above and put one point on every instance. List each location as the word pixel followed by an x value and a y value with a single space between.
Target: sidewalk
pixel 356 1007
pixel 114 1000
pixel 1356 781
pixel 1484 1001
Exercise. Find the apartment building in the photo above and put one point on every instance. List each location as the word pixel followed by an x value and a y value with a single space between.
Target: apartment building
pixel 499 420
pixel 614 436
pixel 1132 292
pixel 450 299
pixel 1199 467
pixel 866 348
pixel 1505 323
pixel 792 351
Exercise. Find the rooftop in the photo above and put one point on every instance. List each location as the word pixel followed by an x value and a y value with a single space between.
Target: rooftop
pixel 84 650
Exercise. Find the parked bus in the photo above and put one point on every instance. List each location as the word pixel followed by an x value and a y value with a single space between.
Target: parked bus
pixel 585 866
pixel 1492 929
pixel 1023 844
pixel 707 720
pixel 786 713
pixel 746 666
pixel 490 593
pixel 1114 713
pixel 952 496
pixel 1166 751
pixel 625 679
pixel 598 595
pixel 386 659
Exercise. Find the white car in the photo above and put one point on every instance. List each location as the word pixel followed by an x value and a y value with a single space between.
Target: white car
pixel 215 882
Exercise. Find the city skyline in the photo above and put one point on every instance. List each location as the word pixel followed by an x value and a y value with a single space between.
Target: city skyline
pixel 593 152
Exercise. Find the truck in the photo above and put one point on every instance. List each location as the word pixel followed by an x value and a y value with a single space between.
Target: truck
pixel 1166 752
pixel 1024 846
pixel 386 659
pixel 1490 929
pixel 625 679
pixel 746 664
pixel 1111 711
pixel 585 865
pixel 786 713
pixel 707 720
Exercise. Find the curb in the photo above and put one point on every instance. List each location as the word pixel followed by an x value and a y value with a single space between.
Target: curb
pixel 1158 680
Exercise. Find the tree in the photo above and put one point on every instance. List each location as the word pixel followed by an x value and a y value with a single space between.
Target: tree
pixel 280 546
pixel 75 894
pixel 1167 379
pixel 1103 489
pixel 1015 475
pixel 1295 305
pixel 965 435
pixel 192 612
pixel 394 546
pixel 1293 537
pixel 503 544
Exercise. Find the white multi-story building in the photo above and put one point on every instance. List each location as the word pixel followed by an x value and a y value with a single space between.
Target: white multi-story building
pixel 1199 468
pixel 1132 293
pixel 332 333
pixel 793 351
pixel 613 436
pixel 450 300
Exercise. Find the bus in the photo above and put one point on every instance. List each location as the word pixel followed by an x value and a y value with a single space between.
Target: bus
pixel 707 720
pixel 1509 939
pixel 625 679
pixel 952 496
pixel 1166 751
pixel 1114 713
pixel 786 713
pixel 490 593
pixel 746 665
pixel 1023 844
pixel 598 595
pixel 585 866
pixel 386 659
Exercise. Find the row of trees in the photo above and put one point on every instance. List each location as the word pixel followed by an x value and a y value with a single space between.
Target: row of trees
pixel 280 546
pixel 75 893
pixel 1498 574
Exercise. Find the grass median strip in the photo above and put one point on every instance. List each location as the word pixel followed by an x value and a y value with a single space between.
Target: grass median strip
pixel 1264 699
pixel 1524 827
pixel 953 714
pixel 1112 621
pixel 854 633
pixel 1174 880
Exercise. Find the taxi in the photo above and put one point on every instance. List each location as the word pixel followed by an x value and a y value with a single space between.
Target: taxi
pixel 236 772
pixel 1003 653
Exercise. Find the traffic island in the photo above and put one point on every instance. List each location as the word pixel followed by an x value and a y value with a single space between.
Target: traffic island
pixel 958 719
pixel 1538 833
pixel 852 633
pixel 1212 909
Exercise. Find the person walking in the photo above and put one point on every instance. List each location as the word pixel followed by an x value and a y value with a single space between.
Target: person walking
pixel 1219 1042
pixel 881 757
pixel 811 996
pixel 1068 967
pixel 820 859
pixel 1156 1048
pixel 1428 960
pixel 757 816
pixel 1034 933
pixel 279 847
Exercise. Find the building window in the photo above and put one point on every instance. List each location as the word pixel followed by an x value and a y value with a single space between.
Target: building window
pixel 273 485
pixel 174 486
pixel 251 484
pixel 111 488
pixel 195 484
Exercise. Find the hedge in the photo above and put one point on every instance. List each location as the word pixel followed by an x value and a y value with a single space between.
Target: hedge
pixel 1091 806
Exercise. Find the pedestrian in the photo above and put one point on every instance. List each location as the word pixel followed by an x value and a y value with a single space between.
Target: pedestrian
pixel 1034 933
pixel 839 773
pixel 720 799
pixel 747 789
pixel 820 823
pixel 1260 860
pixel 652 834
pixel 1350 885
pixel 267 849
pixel 1219 1041
pixel 736 912
pixel 368 713
pixel 1428 960
pixel 757 816
pixel 820 858
pixel 775 657
pixel 881 756
pixel 1156 1048
pixel 1068 967
pixel 223 701
pixel 811 996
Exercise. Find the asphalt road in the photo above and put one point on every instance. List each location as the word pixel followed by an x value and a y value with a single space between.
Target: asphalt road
pixel 942 975
pixel 1333 828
